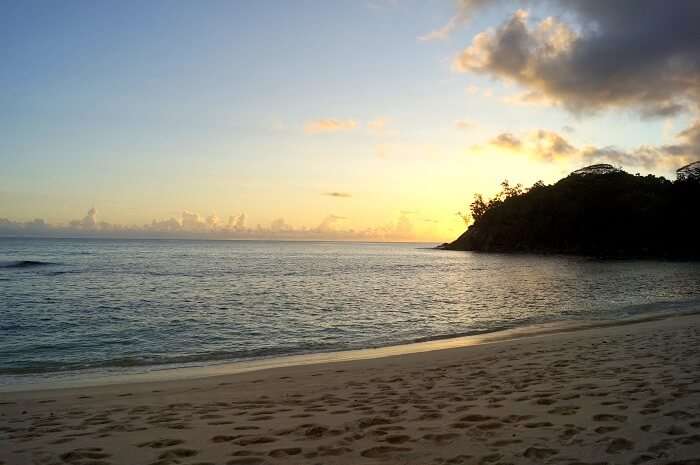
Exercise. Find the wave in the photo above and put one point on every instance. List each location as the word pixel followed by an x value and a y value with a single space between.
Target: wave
pixel 24 264
pixel 160 362
pixel 625 315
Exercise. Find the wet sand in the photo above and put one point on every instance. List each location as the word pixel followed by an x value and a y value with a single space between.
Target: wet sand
pixel 618 394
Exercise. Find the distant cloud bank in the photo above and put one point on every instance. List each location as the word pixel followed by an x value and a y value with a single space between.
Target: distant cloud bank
pixel 192 225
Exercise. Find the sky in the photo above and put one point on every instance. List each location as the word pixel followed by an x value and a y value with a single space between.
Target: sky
pixel 348 120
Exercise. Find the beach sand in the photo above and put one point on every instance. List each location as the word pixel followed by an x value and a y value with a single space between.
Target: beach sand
pixel 619 394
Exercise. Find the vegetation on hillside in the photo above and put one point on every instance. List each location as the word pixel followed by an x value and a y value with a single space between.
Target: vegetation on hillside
pixel 614 215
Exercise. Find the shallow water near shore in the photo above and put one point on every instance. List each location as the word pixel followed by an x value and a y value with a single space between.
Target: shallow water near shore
pixel 120 306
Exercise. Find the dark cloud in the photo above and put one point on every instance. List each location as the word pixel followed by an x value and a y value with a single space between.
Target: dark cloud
pixel 549 145
pixel 541 144
pixel 688 142
pixel 639 54
pixel 337 194
pixel 506 140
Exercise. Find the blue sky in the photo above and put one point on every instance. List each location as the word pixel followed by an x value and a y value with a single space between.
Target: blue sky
pixel 144 110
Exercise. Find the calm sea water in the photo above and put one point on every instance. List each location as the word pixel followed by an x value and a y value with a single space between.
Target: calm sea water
pixel 70 305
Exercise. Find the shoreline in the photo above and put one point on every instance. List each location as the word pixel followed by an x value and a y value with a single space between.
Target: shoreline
pixel 170 373
pixel 625 393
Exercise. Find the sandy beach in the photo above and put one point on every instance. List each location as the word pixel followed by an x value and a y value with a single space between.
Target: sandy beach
pixel 619 394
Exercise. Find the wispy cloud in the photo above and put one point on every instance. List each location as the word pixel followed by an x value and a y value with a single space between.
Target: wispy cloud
pixel 465 8
pixel 464 125
pixel 377 125
pixel 329 125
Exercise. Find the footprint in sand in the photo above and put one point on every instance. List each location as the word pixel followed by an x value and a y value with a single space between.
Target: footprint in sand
pixel 160 443
pixel 245 453
pixel 78 456
pixel 476 418
pixel 506 442
pixel 564 410
pixel 315 431
pixel 397 439
pixel 539 453
pixel 224 438
pixel 490 425
pixel 679 415
pixel 382 451
pixel 326 451
pixel 246 461
pixel 175 454
pixel 606 417
pixel 444 438
pixel 688 440
pixel 248 440
pixel 490 458
pixel 516 418
pixel 285 452
pixel 619 445
pixel 675 430
pixel 363 423
pixel 458 459
pixel 539 424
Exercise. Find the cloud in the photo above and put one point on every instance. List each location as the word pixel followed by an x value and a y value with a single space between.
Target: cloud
pixel 550 146
pixel 540 144
pixel 337 194
pixel 669 156
pixel 329 125
pixel 328 223
pixel 89 221
pixel 190 225
pixel 236 223
pixel 641 56
pixel 464 125
pixel 633 54
pixel 465 8
pixel 377 125
pixel 506 140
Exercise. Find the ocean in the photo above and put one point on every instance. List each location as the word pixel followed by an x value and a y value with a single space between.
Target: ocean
pixel 70 306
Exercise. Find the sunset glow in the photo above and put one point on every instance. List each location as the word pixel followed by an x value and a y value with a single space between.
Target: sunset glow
pixel 237 120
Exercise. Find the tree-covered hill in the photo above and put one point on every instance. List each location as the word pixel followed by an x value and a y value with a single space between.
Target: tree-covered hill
pixel 609 213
